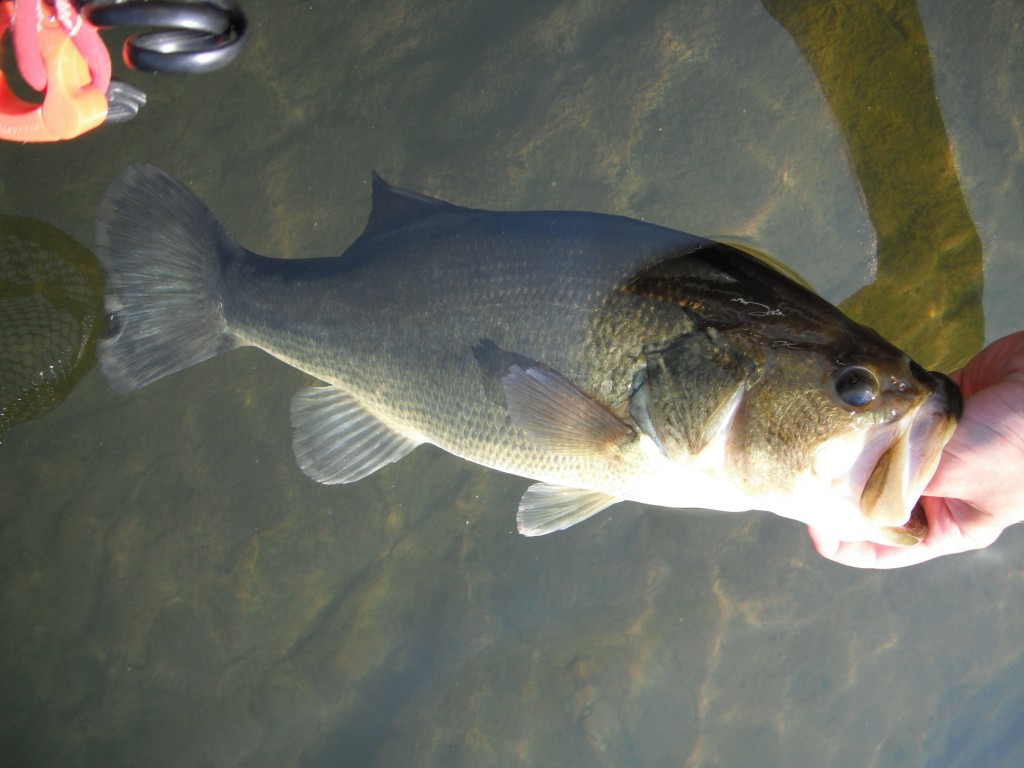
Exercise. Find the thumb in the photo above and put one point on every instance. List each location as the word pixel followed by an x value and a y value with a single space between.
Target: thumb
pixel 826 543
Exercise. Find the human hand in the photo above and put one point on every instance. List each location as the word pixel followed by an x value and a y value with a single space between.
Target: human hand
pixel 978 487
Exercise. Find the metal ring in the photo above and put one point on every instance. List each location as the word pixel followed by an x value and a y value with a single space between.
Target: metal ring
pixel 196 37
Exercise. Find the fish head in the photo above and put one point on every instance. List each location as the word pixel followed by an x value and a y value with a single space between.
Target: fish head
pixel 805 412
pixel 844 436
pixel 901 415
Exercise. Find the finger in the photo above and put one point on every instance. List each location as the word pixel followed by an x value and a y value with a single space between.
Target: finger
pixel 826 544
pixel 866 554
pixel 997 361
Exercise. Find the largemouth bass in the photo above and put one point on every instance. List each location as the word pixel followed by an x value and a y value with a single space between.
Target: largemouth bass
pixel 607 358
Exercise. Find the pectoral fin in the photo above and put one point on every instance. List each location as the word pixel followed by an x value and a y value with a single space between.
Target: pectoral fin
pixel 337 440
pixel 546 508
pixel 558 417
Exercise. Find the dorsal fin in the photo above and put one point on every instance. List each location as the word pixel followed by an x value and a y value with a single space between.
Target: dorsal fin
pixel 392 206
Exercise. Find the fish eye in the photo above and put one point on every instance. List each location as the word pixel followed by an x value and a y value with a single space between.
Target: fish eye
pixel 856 386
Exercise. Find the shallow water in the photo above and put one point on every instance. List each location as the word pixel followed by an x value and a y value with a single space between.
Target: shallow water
pixel 175 592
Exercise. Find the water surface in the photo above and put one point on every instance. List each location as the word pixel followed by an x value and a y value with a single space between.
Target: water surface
pixel 175 592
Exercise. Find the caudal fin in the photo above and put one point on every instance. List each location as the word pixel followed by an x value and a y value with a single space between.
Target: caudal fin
pixel 162 252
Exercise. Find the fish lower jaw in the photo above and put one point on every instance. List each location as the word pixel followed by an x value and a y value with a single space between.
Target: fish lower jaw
pixel 837 514
pixel 830 506
pixel 834 508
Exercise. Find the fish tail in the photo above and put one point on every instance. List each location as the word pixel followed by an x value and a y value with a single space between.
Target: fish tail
pixel 162 252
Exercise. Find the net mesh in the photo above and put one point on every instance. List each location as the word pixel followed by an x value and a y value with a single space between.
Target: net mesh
pixel 50 299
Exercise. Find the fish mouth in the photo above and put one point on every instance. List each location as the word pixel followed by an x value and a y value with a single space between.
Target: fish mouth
pixel 890 499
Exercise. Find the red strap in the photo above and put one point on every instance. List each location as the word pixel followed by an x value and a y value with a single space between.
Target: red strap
pixel 72 104
pixel 26 21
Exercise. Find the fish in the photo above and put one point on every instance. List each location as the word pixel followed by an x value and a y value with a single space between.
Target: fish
pixel 605 358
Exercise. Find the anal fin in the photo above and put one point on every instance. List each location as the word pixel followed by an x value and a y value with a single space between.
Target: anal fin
pixel 337 440
pixel 545 508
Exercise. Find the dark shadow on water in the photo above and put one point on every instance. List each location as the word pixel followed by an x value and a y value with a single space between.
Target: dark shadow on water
pixel 872 61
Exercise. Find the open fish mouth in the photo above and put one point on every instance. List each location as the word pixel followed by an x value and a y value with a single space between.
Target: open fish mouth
pixel 889 501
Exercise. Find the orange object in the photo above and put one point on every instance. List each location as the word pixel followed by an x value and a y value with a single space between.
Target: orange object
pixel 71 104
